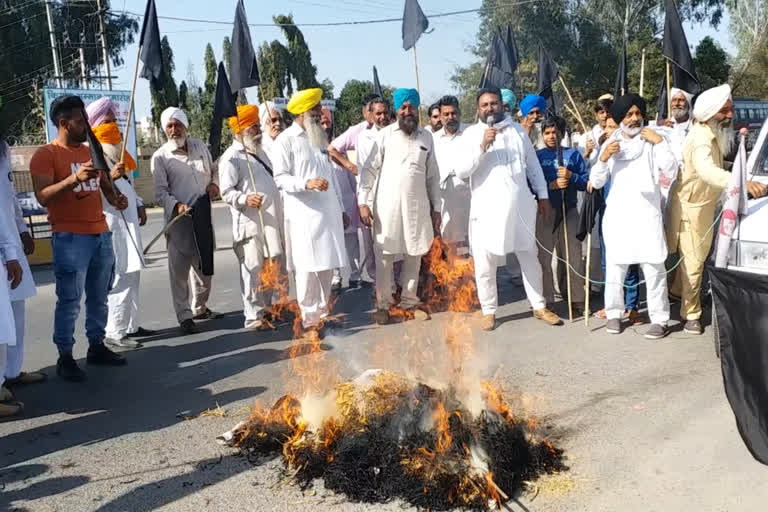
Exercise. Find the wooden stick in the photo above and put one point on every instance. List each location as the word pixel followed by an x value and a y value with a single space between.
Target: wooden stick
pixel 418 86
pixel 586 283
pixel 669 90
pixel 575 107
pixel 253 182
pixel 642 72
pixel 567 257
pixel 166 228
pixel 130 107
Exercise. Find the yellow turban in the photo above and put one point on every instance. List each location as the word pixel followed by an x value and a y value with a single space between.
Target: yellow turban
pixel 247 115
pixel 305 100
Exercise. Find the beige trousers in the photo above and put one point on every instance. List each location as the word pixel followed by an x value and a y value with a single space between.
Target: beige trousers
pixel 189 288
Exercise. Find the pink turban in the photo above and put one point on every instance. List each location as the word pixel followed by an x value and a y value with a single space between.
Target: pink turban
pixel 99 109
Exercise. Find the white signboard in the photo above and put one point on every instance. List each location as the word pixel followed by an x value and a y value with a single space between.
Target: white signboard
pixel 329 104
pixel 121 99
pixel 281 103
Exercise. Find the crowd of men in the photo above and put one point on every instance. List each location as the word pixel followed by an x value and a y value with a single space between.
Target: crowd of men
pixel 299 202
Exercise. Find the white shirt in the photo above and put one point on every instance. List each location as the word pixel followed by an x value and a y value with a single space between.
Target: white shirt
pixel 238 180
pixel 456 195
pixel 633 227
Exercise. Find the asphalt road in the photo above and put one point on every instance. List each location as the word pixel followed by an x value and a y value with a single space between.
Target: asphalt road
pixel 645 425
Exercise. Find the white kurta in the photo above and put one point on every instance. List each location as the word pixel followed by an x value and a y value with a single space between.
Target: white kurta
pixel 503 209
pixel 456 195
pixel 236 185
pixel 126 239
pixel 314 225
pixel 401 185
pixel 633 228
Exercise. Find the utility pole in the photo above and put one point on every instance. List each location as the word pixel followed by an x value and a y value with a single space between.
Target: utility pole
pixel 54 44
pixel 104 49
pixel 83 77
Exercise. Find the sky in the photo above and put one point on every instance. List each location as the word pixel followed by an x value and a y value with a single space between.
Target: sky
pixel 340 53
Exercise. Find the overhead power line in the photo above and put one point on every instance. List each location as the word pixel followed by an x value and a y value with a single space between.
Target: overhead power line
pixel 337 23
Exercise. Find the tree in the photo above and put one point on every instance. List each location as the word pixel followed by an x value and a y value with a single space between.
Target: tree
pixel 749 27
pixel 350 102
pixel 226 51
pixel 300 64
pixel 327 86
pixel 711 63
pixel 26 65
pixel 164 91
pixel 183 92
pixel 273 70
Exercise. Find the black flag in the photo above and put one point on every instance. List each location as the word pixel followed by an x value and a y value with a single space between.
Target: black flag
pixel 150 44
pixel 738 300
pixel 242 60
pixel 376 85
pixel 622 78
pixel 661 104
pixel 593 203
pixel 675 48
pixel 547 75
pixel 97 152
pixel 502 61
pixel 223 107
pixel 414 23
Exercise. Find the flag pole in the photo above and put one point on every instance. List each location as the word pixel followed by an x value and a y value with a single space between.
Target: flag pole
pixel 253 181
pixel 567 256
pixel 130 107
pixel 642 72
pixel 575 108
pixel 418 86
pixel 586 282
pixel 669 90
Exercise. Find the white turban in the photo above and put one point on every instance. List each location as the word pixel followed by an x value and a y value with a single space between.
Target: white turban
pixel 265 114
pixel 173 113
pixel 688 96
pixel 710 102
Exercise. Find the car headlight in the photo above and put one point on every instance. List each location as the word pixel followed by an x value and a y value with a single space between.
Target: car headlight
pixel 753 254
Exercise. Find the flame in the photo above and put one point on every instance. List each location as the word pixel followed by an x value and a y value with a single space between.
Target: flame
pixel 492 489
pixel 453 287
pixel 443 426
pixel 496 402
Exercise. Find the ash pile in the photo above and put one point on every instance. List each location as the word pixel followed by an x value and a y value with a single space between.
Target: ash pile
pixel 383 437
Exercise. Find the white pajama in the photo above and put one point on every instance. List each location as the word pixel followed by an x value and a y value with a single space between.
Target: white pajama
pixel 486 265
pixel 409 278
pixel 313 290
pixel 655 284
pixel 254 299
pixel 123 301
pixel 352 244
pixel 3 362
pixel 15 353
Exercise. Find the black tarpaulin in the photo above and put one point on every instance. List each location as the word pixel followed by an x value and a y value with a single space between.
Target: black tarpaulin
pixel 546 77
pixel 243 68
pixel 675 48
pixel 622 74
pixel 150 54
pixel 224 106
pixel 415 23
pixel 376 84
pixel 590 208
pixel 203 232
pixel 741 304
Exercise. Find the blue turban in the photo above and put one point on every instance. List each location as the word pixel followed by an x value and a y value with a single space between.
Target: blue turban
pixel 508 97
pixel 532 101
pixel 400 96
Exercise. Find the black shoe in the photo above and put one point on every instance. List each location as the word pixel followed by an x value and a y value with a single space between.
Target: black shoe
pixel 67 369
pixel 100 355
pixel 141 333
pixel 188 327
pixel 208 314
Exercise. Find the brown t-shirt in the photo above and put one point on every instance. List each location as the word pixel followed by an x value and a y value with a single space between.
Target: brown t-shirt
pixel 78 210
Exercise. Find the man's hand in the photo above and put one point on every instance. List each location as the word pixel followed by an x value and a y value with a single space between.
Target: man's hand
pixel 365 215
pixel 213 191
pixel 603 136
pixel 317 184
pixel 352 168
pixel 488 138
pixel 651 136
pixel 28 243
pixel 344 220
pixel 254 201
pixel 756 189
pixel 563 172
pixel 142 215
pixel 545 208
pixel 436 221
pixel 118 171
pixel 14 273
pixel 590 188
pixel 85 172
pixel 610 150
pixel 590 146
pixel 669 123
pixel 121 202
pixel 181 208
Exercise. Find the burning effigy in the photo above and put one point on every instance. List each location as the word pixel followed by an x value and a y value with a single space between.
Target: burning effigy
pixel 433 435
pixel 383 437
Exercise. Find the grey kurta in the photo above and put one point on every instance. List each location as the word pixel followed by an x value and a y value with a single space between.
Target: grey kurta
pixel 401 184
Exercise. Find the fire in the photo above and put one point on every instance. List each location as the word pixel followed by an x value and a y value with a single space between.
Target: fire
pixel 453 285
pixel 443 427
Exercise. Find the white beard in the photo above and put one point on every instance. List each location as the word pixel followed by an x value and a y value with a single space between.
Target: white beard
pixel 179 141
pixel 252 144
pixel 631 132
pixel 318 139
pixel 724 137
pixel 680 113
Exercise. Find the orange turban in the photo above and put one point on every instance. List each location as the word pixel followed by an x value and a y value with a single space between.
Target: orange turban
pixel 247 116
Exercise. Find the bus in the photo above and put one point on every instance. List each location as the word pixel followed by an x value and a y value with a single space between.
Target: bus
pixel 749 113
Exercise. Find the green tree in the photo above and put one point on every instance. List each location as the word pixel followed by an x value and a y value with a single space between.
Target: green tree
pixel 300 64
pixel 275 77
pixel 711 63
pixel 327 86
pixel 26 65
pixel 226 51
pixel 164 91
pixel 350 102
pixel 183 93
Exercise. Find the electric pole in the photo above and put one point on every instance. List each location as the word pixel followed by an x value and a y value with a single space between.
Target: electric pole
pixel 54 44
pixel 104 49
pixel 83 78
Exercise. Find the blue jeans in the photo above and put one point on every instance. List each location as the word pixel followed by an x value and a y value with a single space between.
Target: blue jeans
pixel 81 263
